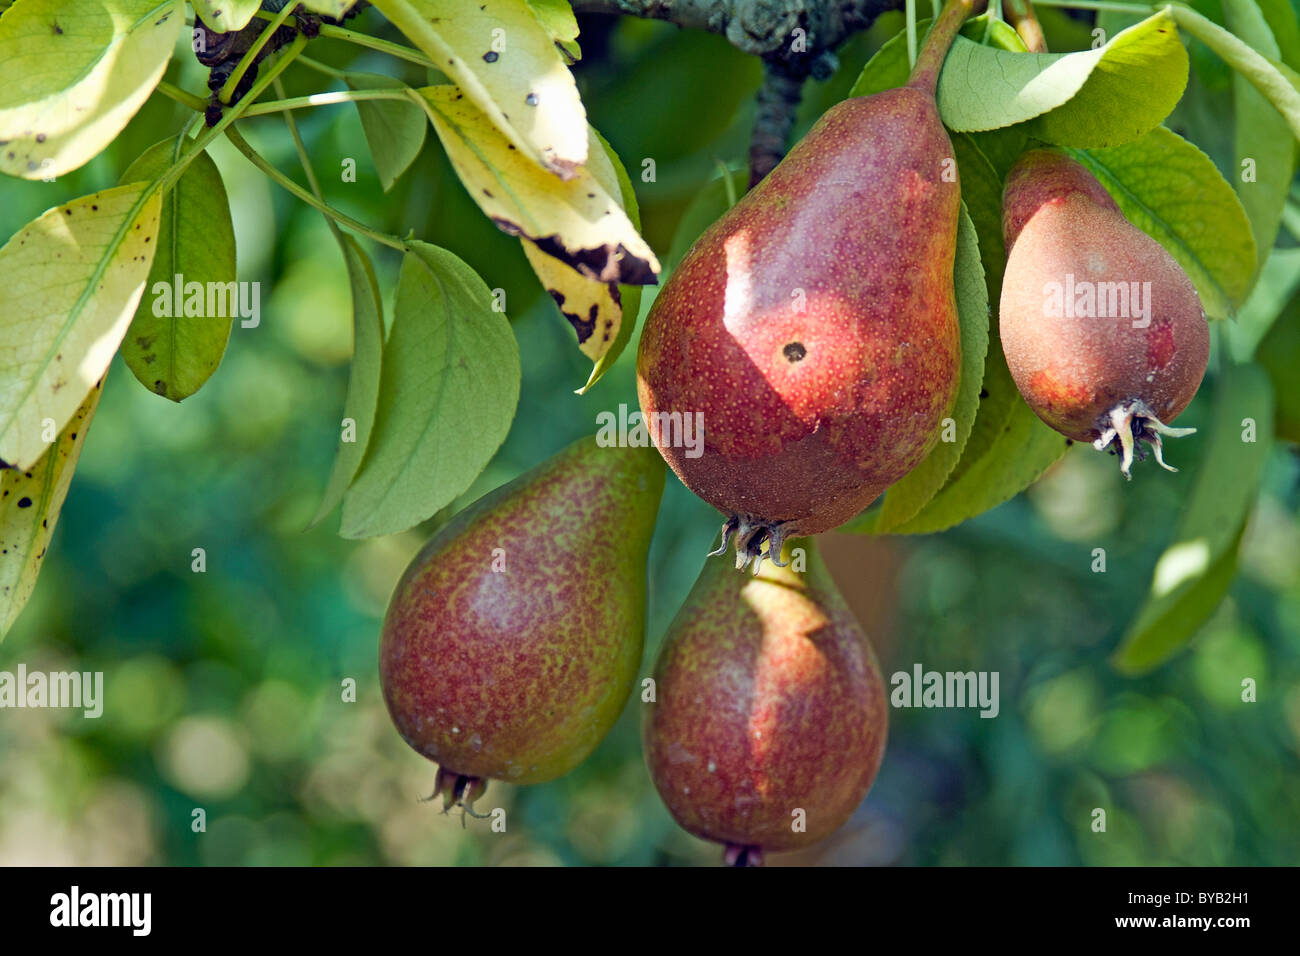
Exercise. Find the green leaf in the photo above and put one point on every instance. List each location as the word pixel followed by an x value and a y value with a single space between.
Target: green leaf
pixel 1194 572
pixel 556 16
pixel 629 295
pixel 30 502
pixel 73 72
pixel 447 394
pixel 503 59
pixel 1263 141
pixel 363 379
pixel 1284 24
pixel 1008 450
pixel 888 67
pixel 1279 282
pixel 1279 354
pixel 172 355
pixel 1173 192
pixel 907 497
pixel 394 129
pixel 225 16
pixel 72 280
pixel 1090 98
pixel 1279 84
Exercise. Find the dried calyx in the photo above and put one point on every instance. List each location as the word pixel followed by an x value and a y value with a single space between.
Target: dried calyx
pixel 1129 423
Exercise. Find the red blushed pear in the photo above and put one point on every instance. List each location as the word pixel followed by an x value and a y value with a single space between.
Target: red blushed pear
pixel 770 713
pixel 513 639
pixel 814 325
pixel 1102 330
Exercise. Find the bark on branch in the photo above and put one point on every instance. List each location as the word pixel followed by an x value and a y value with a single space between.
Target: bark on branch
pixel 795 38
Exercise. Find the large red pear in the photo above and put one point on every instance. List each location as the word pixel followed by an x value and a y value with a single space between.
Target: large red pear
pixel 813 327
pixel 770 713
pixel 513 639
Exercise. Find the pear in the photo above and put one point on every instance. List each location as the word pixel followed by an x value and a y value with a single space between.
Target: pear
pixel 770 715
pixel 1102 330
pixel 513 638
pixel 812 329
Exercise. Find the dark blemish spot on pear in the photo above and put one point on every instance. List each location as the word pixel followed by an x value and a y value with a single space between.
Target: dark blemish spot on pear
pixel 24 502
pixel 1070 441
pixel 40 137
pixel 58 30
pixel 531 99
pixel 488 194
pixel 490 56
pixel 794 352
pixel 160 387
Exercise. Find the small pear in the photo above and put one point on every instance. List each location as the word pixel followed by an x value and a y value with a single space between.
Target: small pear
pixel 770 713
pixel 513 639
pixel 814 325
pixel 1102 330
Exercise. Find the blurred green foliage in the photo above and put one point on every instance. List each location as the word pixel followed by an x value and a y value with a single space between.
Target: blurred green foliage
pixel 224 688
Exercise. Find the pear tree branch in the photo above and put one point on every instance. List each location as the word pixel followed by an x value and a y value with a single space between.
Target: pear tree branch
pixel 795 38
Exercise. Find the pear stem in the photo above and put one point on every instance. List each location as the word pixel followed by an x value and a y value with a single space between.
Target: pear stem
pixel 1020 14
pixel 925 74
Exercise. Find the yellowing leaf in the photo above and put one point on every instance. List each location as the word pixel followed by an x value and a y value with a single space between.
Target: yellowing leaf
pixel 579 221
pixel 223 16
pixel 595 309
pixel 331 8
pixel 29 508
pixel 73 72
pixel 506 63
pixel 72 280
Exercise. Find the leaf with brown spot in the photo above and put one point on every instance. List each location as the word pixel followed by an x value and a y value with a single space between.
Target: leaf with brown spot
pixel 25 530
pixel 580 222
pixel 524 88
pixel 72 280
pixel 602 314
pixel 173 355
pixel 223 16
pixel 66 94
